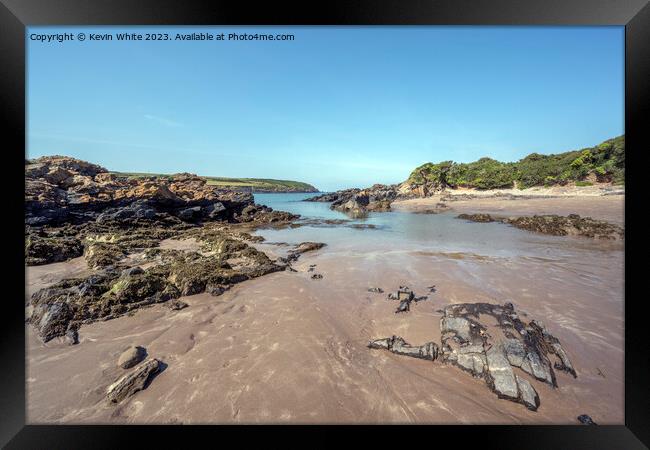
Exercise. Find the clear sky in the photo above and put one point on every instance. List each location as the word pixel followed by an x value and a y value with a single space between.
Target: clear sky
pixel 336 107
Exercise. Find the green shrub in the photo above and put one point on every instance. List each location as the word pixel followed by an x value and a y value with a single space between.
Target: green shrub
pixel 606 160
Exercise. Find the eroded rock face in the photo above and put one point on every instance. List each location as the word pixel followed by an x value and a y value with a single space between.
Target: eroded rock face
pixel 134 381
pixel 571 225
pixel 488 341
pixel 62 189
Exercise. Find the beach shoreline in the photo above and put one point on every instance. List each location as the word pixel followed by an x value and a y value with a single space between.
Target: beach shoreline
pixel 598 202
pixel 284 348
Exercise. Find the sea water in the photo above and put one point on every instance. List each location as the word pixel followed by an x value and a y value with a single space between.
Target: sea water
pixel 443 232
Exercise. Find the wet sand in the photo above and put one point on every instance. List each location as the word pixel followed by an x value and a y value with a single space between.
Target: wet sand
pixel 604 207
pixel 284 348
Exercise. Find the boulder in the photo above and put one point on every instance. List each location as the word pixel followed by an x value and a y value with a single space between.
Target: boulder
pixel 52 320
pixel 131 356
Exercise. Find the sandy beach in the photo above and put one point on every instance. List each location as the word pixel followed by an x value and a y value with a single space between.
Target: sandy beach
pixel 585 201
pixel 285 348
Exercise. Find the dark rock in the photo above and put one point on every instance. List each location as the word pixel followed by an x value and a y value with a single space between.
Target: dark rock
pixel 301 248
pixel 132 382
pixel 215 210
pixel 316 276
pixel 476 217
pixel 467 343
pixel 356 202
pixel 404 306
pixel 376 290
pixel 44 249
pixel 304 247
pixel 52 320
pixel 571 225
pixel 177 305
pixel 139 209
pixel 190 214
pixel 216 289
pixel 586 420
pixel 132 271
pixel 399 346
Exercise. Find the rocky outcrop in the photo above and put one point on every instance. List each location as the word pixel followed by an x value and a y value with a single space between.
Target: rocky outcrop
pixel 357 202
pixel 84 210
pixel 73 207
pixel 263 214
pixel 342 195
pixel 488 341
pixel 61 189
pixel 571 225
pixel 134 381
pixel 112 291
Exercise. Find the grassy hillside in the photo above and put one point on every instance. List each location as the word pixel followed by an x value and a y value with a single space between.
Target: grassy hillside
pixel 603 163
pixel 247 184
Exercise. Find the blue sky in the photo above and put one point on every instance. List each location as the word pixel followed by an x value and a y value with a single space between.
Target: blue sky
pixel 336 107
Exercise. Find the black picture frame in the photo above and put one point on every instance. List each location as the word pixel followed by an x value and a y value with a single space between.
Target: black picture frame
pixel 15 15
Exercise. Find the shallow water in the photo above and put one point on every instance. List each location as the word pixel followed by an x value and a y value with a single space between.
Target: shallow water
pixel 403 231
